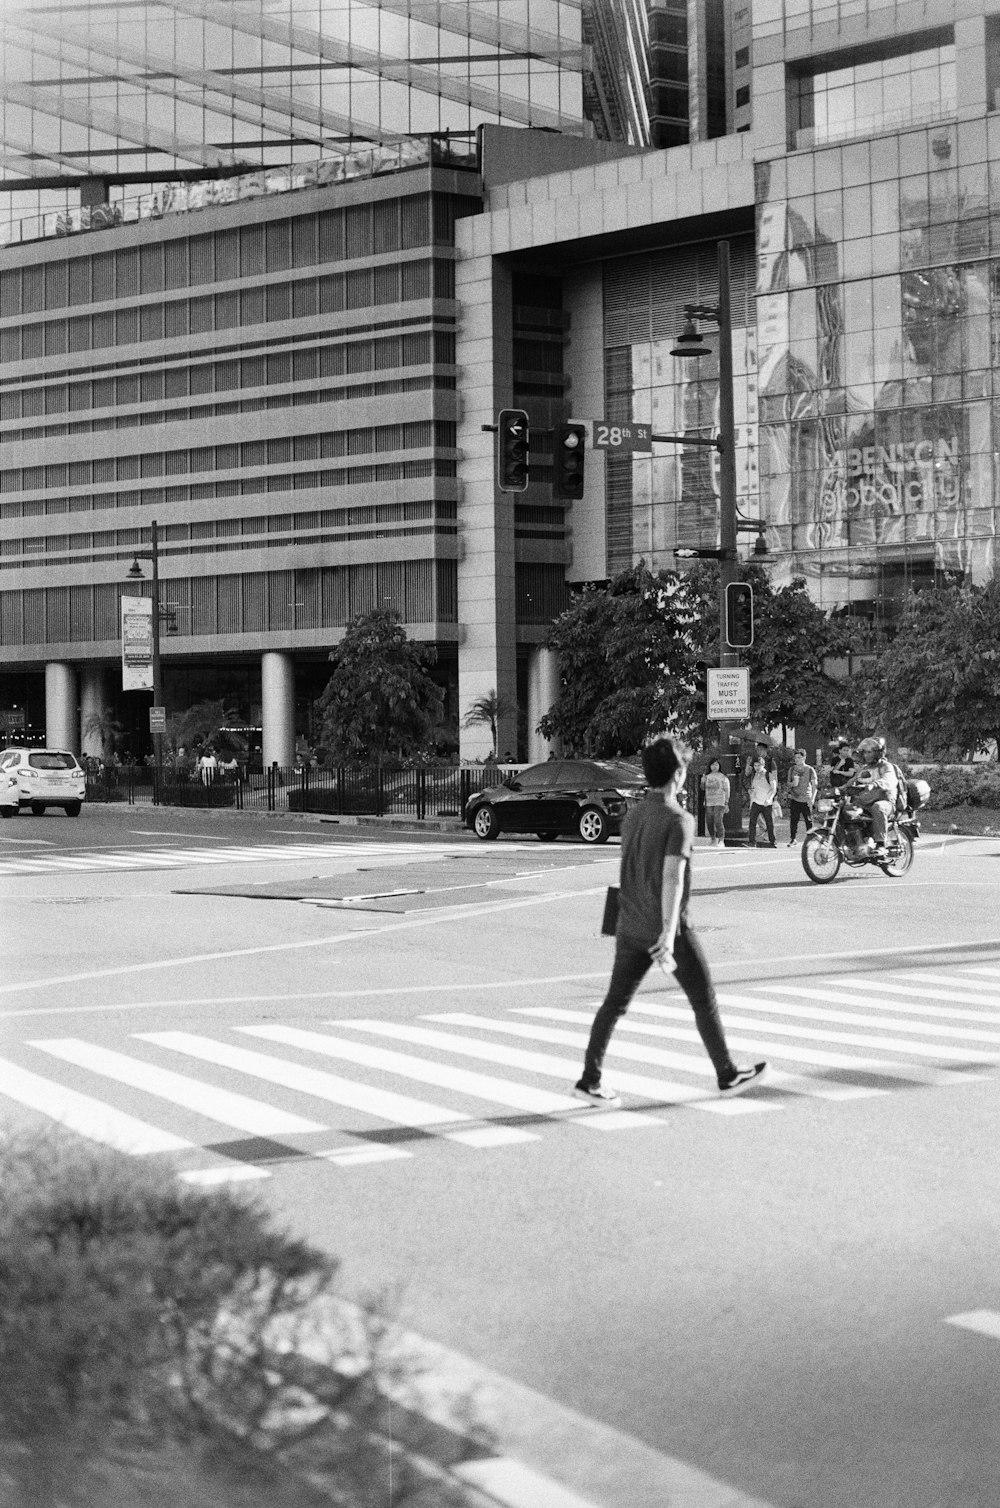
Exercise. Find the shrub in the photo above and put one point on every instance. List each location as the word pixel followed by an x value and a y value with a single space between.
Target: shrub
pixel 971 785
pixel 136 1310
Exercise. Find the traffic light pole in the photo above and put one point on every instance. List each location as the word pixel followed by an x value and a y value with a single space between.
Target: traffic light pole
pixel 728 735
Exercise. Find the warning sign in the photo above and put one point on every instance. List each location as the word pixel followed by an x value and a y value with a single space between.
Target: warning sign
pixel 729 693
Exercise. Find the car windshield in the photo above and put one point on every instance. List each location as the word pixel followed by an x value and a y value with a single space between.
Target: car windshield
pixel 50 760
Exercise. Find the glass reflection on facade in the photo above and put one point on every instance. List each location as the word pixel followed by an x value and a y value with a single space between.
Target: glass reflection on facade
pixel 877 323
pixel 880 94
pixel 107 101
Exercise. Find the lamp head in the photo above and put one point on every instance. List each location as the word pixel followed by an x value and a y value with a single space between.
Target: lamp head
pixel 690 343
pixel 760 546
pixel 135 571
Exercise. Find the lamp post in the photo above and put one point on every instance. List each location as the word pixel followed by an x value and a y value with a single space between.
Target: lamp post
pixel 136 574
pixel 690 343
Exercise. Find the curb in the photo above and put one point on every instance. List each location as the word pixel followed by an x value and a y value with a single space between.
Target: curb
pixel 306 819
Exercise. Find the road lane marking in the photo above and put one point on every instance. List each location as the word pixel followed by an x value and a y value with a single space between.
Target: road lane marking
pixel 88 1117
pixel 983 1321
pixel 661 1090
pixel 515 1096
pixel 209 1177
pixel 795 1054
pixel 229 1109
pixel 353 1157
pixel 514 1485
pixel 381 1104
pixel 794 1083
pixel 861 1018
pixel 842 992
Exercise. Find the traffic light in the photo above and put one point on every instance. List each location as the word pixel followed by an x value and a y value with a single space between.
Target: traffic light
pixel 512 450
pixel 739 614
pixel 567 460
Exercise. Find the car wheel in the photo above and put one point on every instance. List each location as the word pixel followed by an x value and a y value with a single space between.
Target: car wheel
pixel 37 810
pixel 548 837
pixel 485 824
pixel 592 825
pixel 72 808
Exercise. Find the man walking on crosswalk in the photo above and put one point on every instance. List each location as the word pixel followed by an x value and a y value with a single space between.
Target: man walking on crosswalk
pixel 653 926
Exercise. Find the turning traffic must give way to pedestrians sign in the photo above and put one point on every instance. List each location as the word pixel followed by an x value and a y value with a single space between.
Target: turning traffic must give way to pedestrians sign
pixel 728 693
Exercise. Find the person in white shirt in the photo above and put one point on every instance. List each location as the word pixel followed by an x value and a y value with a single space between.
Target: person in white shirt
pixel 207 766
pixel 763 789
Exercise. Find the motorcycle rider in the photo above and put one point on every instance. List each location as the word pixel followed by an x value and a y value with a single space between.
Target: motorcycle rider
pixel 873 787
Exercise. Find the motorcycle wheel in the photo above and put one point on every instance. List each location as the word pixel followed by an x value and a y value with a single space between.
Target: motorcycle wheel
pixel 900 856
pixel 820 858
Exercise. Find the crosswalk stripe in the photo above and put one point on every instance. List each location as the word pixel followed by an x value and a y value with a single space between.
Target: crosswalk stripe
pixel 793 1083
pixel 959 980
pixel 512 1057
pixel 662 1090
pixel 858 1018
pixel 862 1039
pixel 980 970
pixel 821 1058
pixel 921 992
pixel 382 1104
pixel 840 994
pixel 216 1104
pixel 237 1172
pixel 88 1117
pixel 444 1076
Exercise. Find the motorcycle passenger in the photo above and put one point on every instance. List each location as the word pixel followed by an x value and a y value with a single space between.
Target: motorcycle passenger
pixel 873 787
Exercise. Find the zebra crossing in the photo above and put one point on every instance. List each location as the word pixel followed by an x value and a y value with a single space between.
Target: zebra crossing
pixel 98 861
pixel 242 1102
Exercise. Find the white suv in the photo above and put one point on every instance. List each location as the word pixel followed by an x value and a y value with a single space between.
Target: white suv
pixel 46 777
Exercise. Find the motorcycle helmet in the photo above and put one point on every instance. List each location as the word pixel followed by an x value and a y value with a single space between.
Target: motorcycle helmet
pixel 871 749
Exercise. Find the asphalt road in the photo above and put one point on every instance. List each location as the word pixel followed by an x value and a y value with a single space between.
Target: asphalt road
pixel 688 1306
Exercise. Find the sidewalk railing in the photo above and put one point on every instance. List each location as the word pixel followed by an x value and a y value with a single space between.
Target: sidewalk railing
pixel 427 791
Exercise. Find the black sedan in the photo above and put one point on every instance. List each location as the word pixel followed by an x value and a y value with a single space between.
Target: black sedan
pixel 588 797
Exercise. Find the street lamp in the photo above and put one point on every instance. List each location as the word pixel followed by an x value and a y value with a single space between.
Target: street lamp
pixel 135 573
pixel 691 344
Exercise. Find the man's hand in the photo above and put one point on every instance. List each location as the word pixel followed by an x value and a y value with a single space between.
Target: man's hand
pixel 663 948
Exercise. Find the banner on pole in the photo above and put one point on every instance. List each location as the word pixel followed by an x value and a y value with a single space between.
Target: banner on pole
pixel 137 644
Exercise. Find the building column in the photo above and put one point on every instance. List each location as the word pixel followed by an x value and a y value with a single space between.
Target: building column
pixel 277 684
pixel 61 727
pixel 543 690
pixel 93 702
pixel 487 607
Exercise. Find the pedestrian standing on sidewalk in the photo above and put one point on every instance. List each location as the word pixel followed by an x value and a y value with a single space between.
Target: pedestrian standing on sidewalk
pixel 653 925
pixel 802 786
pixel 763 789
pixel 716 788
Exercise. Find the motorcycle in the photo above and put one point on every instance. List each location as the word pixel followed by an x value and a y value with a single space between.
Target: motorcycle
pixel 843 835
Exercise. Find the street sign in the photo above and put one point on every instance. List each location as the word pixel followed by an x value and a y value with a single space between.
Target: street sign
pixel 12 721
pixel 619 437
pixel 728 693
pixel 157 719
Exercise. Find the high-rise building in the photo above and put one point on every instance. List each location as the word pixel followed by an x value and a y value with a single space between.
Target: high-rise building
pixel 227 305
pixel 698 61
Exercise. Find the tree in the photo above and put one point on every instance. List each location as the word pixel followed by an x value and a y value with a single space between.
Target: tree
pixel 488 709
pixel 936 686
pixel 633 657
pixel 105 726
pixel 203 722
pixel 627 663
pixel 380 703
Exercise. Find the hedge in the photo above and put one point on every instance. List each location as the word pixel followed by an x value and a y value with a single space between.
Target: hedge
pixel 143 1319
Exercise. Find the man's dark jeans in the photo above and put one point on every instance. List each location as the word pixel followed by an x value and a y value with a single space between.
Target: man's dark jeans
pixel 691 972
pixel 799 809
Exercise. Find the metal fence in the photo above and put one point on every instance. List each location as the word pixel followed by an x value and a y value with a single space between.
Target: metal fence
pixel 366 790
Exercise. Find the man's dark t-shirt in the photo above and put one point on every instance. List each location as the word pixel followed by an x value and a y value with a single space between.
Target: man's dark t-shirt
pixel 651 831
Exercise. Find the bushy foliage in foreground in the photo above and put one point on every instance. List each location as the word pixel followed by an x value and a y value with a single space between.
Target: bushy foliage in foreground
pixel 138 1313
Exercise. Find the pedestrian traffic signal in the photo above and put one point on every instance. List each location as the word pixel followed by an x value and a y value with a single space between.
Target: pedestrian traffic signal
pixel 739 614
pixel 512 450
pixel 568 458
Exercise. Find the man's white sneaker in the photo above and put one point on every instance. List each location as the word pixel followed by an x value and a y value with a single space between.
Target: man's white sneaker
pixel 595 1094
pixel 742 1079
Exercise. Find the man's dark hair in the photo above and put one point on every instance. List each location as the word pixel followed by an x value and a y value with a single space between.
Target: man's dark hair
pixel 762 743
pixel 662 757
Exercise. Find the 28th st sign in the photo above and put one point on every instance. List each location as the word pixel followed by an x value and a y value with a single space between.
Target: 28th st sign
pixel 621 437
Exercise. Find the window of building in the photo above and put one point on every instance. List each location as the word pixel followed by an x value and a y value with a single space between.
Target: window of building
pixel 743 95
pixel 903 87
pixel 742 57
